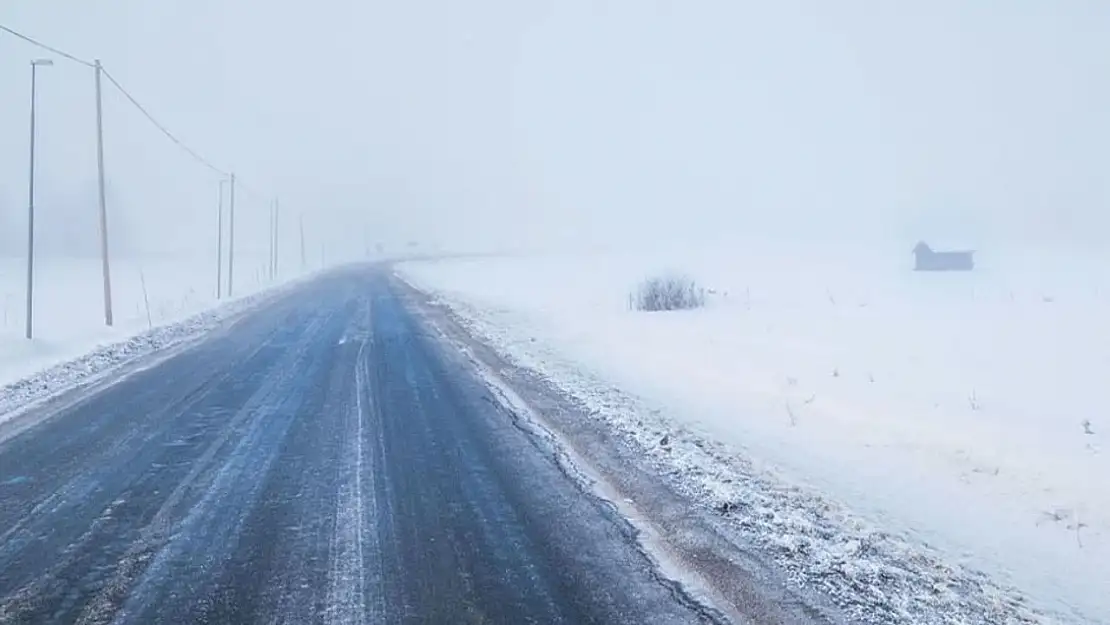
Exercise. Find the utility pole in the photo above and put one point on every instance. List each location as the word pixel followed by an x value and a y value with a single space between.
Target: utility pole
pixel 270 246
pixel 31 206
pixel 220 241
pixel 304 259
pixel 231 239
pixel 105 267
pixel 277 239
pixel 271 268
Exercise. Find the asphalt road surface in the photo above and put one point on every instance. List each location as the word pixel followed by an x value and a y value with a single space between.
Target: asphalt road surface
pixel 320 461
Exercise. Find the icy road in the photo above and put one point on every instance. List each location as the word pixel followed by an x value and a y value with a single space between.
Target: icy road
pixel 320 461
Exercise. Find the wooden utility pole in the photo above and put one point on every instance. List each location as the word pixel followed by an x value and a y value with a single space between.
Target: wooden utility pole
pixel 220 242
pixel 277 239
pixel 304 258
pixel 270 247
pixel 105 267
pixel 231 239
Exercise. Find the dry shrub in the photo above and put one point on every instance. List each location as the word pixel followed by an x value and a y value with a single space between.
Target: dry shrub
pixel 668 293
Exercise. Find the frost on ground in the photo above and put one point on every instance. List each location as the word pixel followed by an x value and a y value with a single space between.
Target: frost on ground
pixel 918 448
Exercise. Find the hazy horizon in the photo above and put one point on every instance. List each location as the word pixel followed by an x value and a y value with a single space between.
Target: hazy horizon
pixel 510 125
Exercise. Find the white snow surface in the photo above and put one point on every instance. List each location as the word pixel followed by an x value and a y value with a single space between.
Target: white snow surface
pixel 938 441
pixel 71 344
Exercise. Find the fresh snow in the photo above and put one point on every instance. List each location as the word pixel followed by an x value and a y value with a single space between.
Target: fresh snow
pixel 901 429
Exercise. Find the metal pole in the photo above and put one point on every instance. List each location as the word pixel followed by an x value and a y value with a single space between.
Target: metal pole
pixel 31 215
pixel 277 239
pixel 105 270
pixel 273 240
pixel 220 241
pixel 304 258
pixel 231 239
pixel 270 248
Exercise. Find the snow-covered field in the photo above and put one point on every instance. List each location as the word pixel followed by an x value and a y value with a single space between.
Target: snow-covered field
pixel 960 411
pixel 71 341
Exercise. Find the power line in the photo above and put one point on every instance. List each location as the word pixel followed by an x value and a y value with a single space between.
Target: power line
pixel 142 109
pixel 46 47
pixel 169 135
pixel 101 71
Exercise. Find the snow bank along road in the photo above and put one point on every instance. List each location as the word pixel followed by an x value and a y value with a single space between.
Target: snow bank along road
pixel 323 461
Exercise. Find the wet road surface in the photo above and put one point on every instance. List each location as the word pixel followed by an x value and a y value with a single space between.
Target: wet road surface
pixel 318 462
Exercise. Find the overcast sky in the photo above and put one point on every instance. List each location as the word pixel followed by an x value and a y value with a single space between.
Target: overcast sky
pixel 568 122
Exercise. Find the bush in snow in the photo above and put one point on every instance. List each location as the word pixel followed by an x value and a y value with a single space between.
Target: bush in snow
pixel 668 293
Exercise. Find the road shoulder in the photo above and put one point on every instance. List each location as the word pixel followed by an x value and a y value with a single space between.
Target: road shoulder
pixel 681 538
pixel 26 401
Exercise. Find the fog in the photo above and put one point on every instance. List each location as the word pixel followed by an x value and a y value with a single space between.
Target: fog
pixel 508 124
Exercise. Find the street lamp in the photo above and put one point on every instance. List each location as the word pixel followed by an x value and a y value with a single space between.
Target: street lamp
pixel 35 64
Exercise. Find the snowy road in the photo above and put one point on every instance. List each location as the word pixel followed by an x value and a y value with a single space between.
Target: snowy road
pixel 320 462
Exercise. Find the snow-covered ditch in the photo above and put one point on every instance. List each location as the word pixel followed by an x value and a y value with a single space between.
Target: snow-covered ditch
pixel 922 448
